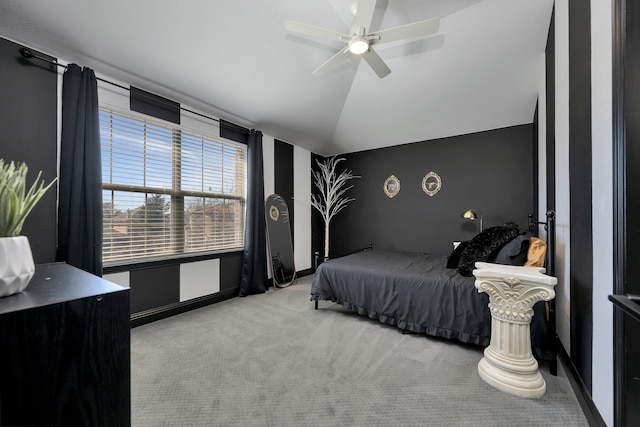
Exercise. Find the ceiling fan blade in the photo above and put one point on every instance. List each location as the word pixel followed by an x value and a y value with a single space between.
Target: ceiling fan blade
pixel 312 31
pixel 376 63
pixel 364 13
pixel 409 31
pixel 331 61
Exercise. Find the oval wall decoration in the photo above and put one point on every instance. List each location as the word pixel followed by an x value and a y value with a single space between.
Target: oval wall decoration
pixel 431 183
pixel 392 186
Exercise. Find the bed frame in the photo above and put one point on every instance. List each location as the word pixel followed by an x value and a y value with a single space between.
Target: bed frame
pixel 550 265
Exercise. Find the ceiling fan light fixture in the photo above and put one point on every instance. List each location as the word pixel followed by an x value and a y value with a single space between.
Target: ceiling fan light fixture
pixel 360 40
pixel 358 45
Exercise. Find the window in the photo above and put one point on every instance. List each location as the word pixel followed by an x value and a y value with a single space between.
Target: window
pixel 168 191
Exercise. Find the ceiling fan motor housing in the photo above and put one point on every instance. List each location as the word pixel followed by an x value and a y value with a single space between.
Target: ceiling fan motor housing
pixel 358 45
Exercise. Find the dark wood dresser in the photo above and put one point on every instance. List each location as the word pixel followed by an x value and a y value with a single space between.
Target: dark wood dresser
pixel 65 351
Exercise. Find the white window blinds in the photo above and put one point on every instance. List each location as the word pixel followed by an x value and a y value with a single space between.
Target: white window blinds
pixel 168 191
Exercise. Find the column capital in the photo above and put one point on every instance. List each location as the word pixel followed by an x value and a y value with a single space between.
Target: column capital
pixel 513 290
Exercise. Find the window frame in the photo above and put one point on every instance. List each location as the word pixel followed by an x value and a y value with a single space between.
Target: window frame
pixel 177 195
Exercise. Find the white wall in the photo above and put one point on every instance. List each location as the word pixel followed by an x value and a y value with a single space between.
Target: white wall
pixel 302 207
pixel 268 165
pixel 602 206
pixel 563 295
pixel 199 278
pixel 268 169
pixel 122 279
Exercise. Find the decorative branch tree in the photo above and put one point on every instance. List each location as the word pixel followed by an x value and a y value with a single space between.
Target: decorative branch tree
pixel 332 188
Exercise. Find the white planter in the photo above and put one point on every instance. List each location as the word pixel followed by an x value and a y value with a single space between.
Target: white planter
pixel 16 265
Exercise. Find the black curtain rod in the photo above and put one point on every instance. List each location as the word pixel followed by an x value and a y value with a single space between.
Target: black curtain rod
pixel 28 53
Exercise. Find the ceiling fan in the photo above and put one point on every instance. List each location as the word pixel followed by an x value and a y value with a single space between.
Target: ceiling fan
pixel 360 42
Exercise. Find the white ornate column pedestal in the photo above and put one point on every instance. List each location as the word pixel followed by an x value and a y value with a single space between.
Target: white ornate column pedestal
pixel 508 363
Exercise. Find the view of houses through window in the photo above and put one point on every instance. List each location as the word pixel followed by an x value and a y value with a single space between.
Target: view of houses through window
pixel 168 191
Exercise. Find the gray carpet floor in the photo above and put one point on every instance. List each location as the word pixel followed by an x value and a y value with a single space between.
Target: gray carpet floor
pixel 272 360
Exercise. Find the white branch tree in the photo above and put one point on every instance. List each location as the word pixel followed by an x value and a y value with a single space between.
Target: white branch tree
pixel 331 199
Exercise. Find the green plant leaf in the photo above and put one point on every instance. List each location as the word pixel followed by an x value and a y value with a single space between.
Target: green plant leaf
pixel 15 203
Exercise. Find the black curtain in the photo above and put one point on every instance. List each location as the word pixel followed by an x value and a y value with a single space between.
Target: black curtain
pixel 254 258
pixel 80 178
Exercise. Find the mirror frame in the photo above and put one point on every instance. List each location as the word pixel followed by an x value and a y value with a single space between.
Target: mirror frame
pixel 270 201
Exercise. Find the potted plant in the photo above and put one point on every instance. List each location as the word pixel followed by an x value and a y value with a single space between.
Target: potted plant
pixel 16 202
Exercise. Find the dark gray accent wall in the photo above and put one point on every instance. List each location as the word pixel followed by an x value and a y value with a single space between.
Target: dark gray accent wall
pixel 536 161
pixel 230 268
pixel 626 124
pixel 550 75
pixel 581 268
pixel 632 133
pixel 283 185
pixel 28 120
pixel 490 171
pixel 154 287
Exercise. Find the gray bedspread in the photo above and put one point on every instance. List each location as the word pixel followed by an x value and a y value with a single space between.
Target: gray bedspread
pixel 413 291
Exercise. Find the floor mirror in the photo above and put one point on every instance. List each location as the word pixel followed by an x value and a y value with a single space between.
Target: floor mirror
pixel 283 269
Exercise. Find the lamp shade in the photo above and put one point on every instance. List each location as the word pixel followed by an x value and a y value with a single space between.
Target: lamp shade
pixel 470 214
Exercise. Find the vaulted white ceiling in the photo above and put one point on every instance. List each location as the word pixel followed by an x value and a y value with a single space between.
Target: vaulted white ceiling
pixel 233 59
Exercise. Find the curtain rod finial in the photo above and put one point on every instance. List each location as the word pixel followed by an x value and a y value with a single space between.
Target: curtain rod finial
pixel 26 52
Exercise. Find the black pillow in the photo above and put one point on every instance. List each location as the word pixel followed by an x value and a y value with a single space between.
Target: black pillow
pixel 521 257
pixel 514 252
pixel 484 244
pixel 454 258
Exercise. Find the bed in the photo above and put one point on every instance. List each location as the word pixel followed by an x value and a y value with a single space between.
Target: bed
pixel 417 292
pixel 413 291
